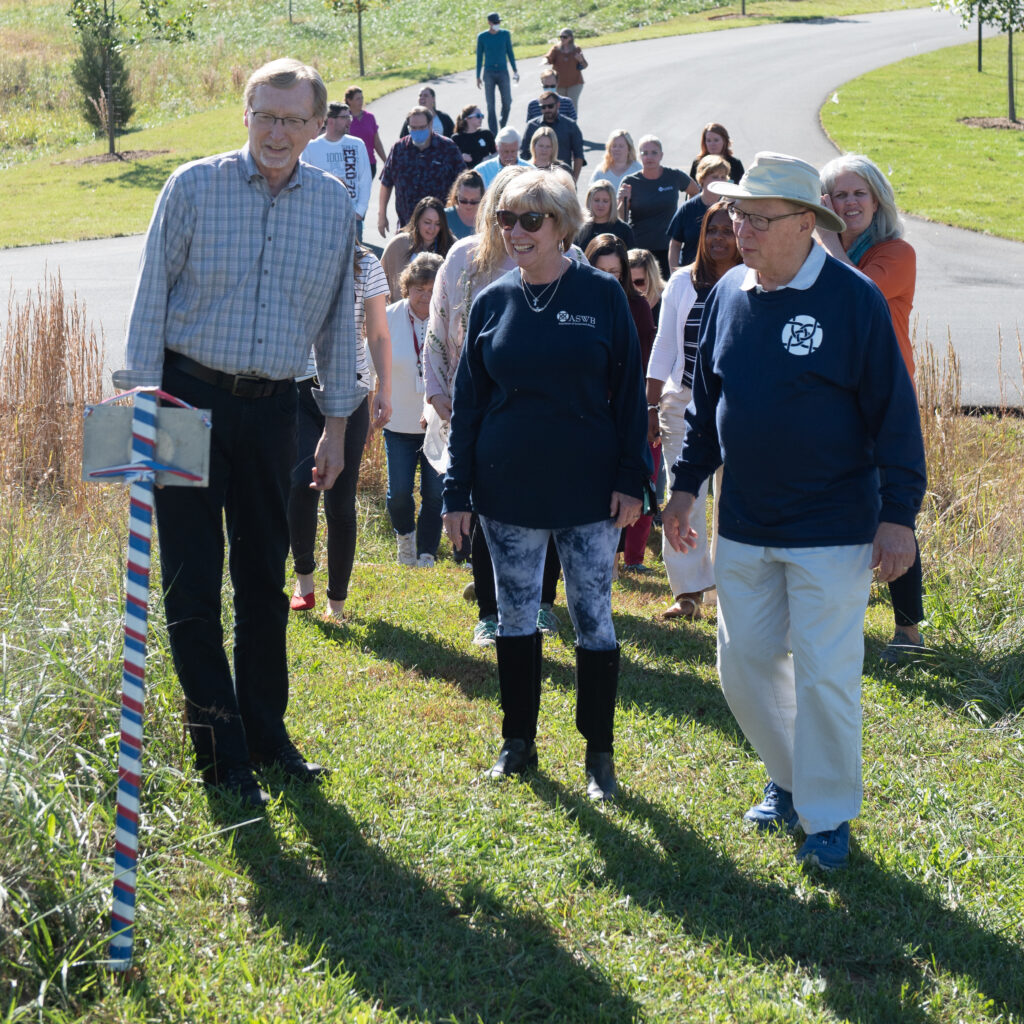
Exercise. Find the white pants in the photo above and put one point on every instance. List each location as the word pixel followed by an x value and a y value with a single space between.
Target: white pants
pixel 692 572
pixel 801 710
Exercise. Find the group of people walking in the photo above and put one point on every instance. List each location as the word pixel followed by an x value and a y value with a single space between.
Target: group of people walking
pixel 562 352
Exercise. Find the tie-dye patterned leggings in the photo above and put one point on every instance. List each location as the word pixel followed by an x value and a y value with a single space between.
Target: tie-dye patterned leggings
pixel 587 554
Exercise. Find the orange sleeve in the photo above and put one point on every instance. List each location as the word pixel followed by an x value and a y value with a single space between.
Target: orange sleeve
pixel 892 266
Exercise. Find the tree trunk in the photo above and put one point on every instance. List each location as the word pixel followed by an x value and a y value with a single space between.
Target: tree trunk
pixel 979 42
pixel 111 104
pixel 1009 73
pixel 359 32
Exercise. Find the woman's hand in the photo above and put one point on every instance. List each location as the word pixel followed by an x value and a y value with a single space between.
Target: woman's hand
pixel 625 509
pixel 380 411
pixel 442 407
pixel 456 527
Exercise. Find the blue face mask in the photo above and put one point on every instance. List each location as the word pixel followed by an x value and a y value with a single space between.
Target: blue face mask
pixel 419 135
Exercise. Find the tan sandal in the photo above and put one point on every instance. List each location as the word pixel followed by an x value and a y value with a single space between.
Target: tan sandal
pixel 685 606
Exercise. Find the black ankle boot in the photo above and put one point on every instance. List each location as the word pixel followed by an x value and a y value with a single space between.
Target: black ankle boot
pixel 601 783
pixel 516 757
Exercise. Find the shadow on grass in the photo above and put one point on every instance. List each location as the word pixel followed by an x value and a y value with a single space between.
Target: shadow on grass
pixel 874 937
pixel 408 946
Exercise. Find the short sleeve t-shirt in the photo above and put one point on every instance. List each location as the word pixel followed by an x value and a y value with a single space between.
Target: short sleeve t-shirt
pixel 652 204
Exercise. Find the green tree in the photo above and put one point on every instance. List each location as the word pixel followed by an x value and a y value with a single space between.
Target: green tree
pixel 101 74
pixel 1005 15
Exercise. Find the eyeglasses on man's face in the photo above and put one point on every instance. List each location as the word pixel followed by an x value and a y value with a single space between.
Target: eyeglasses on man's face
pixel 290 124
pixel 757 220
pixel 531 220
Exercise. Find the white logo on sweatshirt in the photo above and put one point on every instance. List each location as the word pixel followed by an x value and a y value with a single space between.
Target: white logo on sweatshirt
pixel 575 319
pixel 801 336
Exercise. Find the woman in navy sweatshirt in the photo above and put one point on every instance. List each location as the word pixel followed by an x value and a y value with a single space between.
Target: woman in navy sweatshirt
pixel 551 364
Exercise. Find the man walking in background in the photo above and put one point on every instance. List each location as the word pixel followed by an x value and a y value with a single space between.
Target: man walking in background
pixel 247 266
pixel 493 55
pixel 345 157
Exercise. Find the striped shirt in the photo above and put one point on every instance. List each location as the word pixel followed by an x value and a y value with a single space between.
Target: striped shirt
pixel 370 281
pixel 246 282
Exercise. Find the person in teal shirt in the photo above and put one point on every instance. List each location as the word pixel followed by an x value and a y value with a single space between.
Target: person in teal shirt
pixel 493 55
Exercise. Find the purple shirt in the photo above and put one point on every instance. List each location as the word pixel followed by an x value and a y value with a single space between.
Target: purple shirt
pixel 365 127
pixel 414 173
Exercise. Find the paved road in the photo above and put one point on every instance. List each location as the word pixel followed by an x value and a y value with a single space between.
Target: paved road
pixel 766 84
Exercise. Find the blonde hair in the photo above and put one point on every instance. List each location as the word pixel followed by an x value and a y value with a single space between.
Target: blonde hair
pixel 655 282
pixel 602 186
pixel 710 163
pixel 547 193
pixel 490 253
pixel 544 133
pixel 619 133
pixel 283 74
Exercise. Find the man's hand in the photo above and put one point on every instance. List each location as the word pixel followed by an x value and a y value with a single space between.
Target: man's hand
pixel 329 459
pixel 893 551
pixel 675 522
pixel 479 83
pixel 456 526
pixel 653 428
pixel 625 509
pixel 515 77
pixel 382 223
pixel 442 407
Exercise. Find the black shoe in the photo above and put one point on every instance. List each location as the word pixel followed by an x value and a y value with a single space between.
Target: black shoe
pixel 289 762
pixel 236 782
pixel 601 784
pixel 515 758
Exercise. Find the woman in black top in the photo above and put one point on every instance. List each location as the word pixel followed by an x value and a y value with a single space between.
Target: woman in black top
pixel 550 353
pixel 602 217
pixel 649 198
pixel 715 141
pixel 475 142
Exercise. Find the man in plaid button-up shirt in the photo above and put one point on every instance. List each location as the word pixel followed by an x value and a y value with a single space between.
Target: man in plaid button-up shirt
pixel 247 266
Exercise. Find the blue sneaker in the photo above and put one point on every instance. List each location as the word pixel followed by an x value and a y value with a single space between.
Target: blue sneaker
pixel 547 621
pixel 775 813
pixel 826 850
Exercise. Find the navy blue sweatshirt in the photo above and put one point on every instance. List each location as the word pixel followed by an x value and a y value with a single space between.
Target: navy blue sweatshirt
pixel 548 413
pixel 805 398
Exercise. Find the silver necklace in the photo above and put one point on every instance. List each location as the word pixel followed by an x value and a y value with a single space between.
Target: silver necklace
pixel 535 301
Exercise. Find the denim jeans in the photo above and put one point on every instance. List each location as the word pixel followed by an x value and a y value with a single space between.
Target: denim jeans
pixel 405 453
pixel 492 78
pixel 587 553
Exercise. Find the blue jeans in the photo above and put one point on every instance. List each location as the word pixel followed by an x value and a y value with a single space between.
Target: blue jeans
pixel 587 554
pixel 405 452
pixel 493 77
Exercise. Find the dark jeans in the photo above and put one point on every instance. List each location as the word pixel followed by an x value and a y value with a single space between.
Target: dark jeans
pixel 483 573
pixel 339 501
pixel 493 77
pixel 405 453
pixel 252 451
pixel 907 593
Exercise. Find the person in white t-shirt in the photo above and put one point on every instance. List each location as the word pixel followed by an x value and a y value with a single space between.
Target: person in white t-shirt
pixel 344 156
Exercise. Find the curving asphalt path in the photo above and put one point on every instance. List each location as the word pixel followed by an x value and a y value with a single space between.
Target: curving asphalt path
pixel 766 84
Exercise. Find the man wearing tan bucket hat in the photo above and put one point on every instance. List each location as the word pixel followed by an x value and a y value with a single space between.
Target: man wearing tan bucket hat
pixel 801 392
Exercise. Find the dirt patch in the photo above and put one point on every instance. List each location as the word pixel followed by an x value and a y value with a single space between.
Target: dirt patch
pixel 125 157
pixel 993 122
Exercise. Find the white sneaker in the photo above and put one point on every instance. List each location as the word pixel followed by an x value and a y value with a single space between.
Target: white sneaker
pixel 406 548
pixel 425 561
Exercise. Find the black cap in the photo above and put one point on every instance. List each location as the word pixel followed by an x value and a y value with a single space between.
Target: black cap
pixel 494 18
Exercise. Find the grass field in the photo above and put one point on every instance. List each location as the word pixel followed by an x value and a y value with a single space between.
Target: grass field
pixel 943 170
pixel 409 889
pixel 188 94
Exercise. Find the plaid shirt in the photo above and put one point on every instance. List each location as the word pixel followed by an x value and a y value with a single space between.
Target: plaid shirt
pixel 246 282
pixel 414 173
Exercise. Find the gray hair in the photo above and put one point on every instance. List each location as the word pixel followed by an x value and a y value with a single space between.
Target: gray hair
pixel 507 135
pixel 284 73
pixel 421 271
pixel 886 222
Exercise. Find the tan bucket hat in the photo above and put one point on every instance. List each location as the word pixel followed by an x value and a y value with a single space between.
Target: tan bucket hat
pixel 777 176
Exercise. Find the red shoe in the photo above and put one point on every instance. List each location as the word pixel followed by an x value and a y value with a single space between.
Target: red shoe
pixel 303 604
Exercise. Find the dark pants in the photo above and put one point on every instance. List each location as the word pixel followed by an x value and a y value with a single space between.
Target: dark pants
pixel 483 573
pixel 405 453
pixel 252 451
pixel 907 593
pixel 339 501
pixel 493 77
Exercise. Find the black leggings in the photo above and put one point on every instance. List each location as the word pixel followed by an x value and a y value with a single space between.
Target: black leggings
pixel 907 593
pixel 483 573
pixel 339 501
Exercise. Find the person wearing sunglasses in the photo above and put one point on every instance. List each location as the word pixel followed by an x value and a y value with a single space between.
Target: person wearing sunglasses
pixel 475 142
pixel 549 83
pixel 550 352
pixel 570 138
pixel 463 203
pixel 801 394
pixel 568 61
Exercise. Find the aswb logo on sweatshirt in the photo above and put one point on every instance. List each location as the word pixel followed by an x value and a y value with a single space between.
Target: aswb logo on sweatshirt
pixel 575 319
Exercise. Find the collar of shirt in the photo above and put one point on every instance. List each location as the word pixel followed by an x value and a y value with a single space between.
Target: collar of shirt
pixel 801 281
pixel 252 171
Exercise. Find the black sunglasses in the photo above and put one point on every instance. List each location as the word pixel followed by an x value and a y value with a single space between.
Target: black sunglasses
pixel 548 106
pixel 531 220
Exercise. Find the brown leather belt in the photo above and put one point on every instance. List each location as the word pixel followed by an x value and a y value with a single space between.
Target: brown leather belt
pixel 239 384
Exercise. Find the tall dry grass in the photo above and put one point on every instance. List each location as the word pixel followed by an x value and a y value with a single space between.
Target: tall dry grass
pixel 51 367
